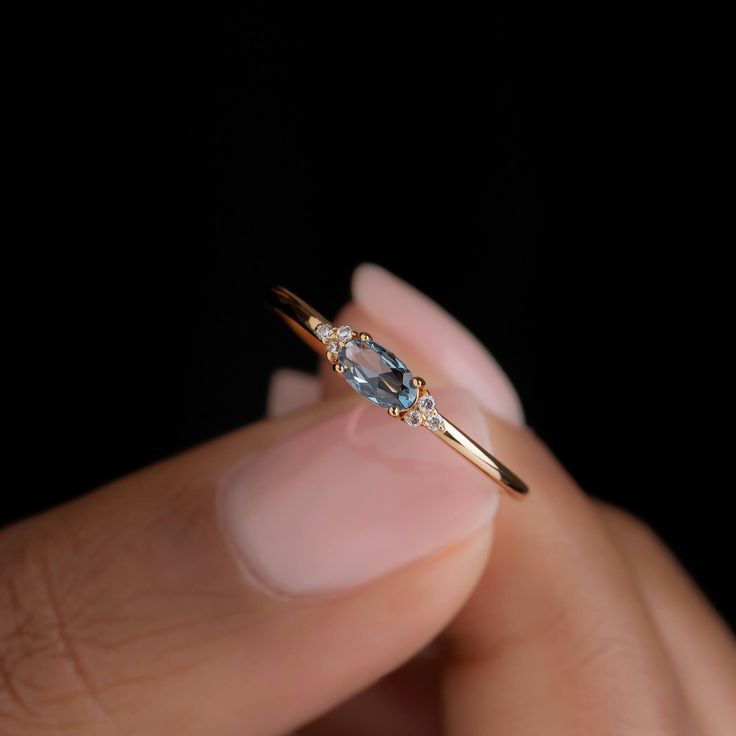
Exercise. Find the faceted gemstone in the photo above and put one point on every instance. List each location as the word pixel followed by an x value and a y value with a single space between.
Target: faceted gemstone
pixel 413 418
pixel 427 404
pixel 333 348
pixel 344 333
pixel 435 422
pixel 324 331
pixel 377 374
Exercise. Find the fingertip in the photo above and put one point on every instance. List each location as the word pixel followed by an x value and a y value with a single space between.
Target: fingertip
pixel 289 391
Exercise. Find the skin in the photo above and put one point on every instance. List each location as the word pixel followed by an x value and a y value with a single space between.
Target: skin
pixel 125 612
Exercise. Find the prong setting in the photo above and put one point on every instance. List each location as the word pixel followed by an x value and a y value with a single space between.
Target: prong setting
pixel 365 337
pixel 418 382
pixel 338 368
pixel 394 411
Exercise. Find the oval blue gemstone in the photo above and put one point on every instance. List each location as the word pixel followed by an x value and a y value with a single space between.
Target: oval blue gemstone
pixel 377 374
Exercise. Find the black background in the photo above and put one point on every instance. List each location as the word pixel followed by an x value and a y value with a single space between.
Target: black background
pixel 570 170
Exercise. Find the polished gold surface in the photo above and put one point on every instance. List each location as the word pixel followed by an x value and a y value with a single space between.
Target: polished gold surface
pixel 482 459
pixel 305 321
pixel 294 310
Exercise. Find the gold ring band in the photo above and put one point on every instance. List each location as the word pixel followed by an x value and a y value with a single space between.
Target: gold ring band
pixel 384 379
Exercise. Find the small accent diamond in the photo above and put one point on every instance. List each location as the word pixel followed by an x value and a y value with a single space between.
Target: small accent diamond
pixel 427 404
pixel 333 348
pixel 435 422
pixel 344 333
pixel 323 331
pixel 413 418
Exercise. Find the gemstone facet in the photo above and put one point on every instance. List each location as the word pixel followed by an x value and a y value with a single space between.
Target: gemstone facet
pixel 377 374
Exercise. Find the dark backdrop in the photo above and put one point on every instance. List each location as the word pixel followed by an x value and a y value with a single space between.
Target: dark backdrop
pixel 569 171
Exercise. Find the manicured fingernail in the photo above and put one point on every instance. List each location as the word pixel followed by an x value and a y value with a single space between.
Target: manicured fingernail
pixel 435 335
pixel 291 390
pixel 352 498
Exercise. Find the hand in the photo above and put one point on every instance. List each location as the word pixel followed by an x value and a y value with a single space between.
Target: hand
pixel 255 583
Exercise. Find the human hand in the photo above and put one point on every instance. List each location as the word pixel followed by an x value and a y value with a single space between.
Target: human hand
pixel 259 581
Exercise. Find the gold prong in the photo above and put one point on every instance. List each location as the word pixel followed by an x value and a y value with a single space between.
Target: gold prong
pixel 338 368
pixel 418 382
pixel 394 411
pixel 332 357
pixel 365 337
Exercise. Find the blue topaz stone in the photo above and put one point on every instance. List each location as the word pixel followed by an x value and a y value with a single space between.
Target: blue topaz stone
pixel 377 374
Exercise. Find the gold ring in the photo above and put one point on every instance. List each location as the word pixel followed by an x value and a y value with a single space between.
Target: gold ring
pixel 384 379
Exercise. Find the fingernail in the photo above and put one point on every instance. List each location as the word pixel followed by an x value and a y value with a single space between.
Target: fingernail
pixel 437 336
pixel 290 391
pixel 353 498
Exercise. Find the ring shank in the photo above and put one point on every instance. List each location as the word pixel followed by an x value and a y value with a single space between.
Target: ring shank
pixel 483 460
pixel 298 315
pixel 304 320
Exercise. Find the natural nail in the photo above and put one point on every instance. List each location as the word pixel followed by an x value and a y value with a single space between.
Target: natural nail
pixel 352 498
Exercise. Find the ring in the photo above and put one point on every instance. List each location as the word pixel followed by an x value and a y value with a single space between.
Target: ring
pixel 383 378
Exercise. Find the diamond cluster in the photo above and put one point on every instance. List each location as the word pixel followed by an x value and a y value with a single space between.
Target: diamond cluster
pixel 334 338
pixel 425 414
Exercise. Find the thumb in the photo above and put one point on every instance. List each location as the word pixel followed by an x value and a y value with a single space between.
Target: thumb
pixel 244 586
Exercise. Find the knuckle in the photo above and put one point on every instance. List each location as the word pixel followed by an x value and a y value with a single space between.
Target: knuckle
pixel 623 676
pixel 628 525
